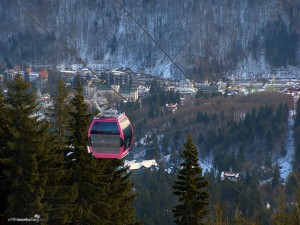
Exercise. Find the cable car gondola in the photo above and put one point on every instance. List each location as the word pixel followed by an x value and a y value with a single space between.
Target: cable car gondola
pixel 110 135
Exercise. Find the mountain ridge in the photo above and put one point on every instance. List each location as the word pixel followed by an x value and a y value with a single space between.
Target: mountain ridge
pixel 248 38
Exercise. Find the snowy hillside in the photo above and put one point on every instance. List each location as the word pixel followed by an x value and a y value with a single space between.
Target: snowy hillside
pixel 244 38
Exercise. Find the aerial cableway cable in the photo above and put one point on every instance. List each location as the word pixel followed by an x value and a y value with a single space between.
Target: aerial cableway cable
pixel 98 155
pixel 223 117
pixel 168 56
pixel 81 61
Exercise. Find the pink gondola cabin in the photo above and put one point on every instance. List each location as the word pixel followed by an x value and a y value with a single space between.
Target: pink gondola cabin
pixel 110 136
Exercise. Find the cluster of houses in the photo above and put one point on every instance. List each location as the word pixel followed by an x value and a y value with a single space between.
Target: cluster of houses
pixel 137 166
pixel 39 78
pixel 134 86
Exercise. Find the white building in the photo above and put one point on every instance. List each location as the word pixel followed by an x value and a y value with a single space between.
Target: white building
pixel 186 84
pixel 133 165
pixel 33 76
pixel 129 93
pixel 142 91
pixel 233 176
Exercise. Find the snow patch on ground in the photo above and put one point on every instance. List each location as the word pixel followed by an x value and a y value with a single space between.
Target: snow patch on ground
pixel 286 162
pixel 206 165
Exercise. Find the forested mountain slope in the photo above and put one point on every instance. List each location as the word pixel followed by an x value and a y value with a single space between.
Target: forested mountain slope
pixel 250 37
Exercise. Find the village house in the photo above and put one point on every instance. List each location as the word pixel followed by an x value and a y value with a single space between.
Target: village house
pixel 141 165
pixel 118 76
pixel 129 93
pixel 186 84
pixel 33 76
pixel 10 74
pixel 125 92
pixel 209 90
pixel 186 88
pixel 232 176
pixel 104 89
pixel 90 88
pixel 142 91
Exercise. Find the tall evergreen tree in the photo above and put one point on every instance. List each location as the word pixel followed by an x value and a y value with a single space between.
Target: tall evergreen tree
pixel 276 176
pixel 190 187
pixel 3 120
pixel 155 197
pixel 103 193
pixel 297 138
pixel 293 215
pixel 26 155
pixel 297 209
pixel 59 194
pixel 219 217
pixel 238 217
pixel 119 192
pixel 297 119
pixel 83 171
pixel 59 115
pixel 4 188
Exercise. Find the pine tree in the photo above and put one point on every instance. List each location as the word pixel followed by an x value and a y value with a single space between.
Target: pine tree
pixel 297 119
pixel 219 220
pixel 3 119
pixel 83 171
pixel 238 217
pixel 297 209
pixel 293 216
pixel 26 155
pixel 281 217
pixel 4 188
pixel 190 188
pixel 276 176
pixel 119 192
pixel 59 193
pixel 103 193
pixel 155 197
pixel 296 138
pixel 59 115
